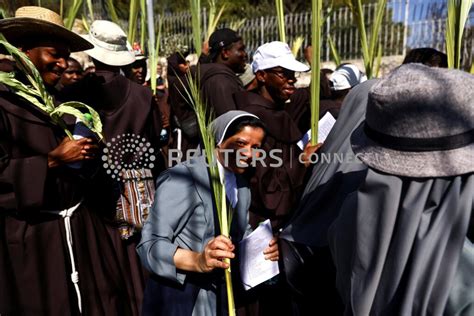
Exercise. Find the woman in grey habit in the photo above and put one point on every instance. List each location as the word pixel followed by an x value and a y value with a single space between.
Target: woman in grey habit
pixel 401 243
pixel 179 243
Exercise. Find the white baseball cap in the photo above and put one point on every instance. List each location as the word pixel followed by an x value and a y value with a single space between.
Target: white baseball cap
pixel 276 54
pixel 346 77
pixel 110 44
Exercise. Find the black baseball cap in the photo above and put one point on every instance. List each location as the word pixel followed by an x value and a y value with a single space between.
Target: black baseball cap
pixel 220 39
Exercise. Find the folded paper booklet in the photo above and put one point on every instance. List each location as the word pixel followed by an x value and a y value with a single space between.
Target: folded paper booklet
pixel 254 268
pixel 324 128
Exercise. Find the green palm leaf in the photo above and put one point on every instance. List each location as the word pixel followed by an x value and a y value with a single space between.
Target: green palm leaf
pixel 297 43
pixel 195 7
pixel 72 13
pixel 213 18
pixel 317 7
pixel 458 12
pixel 37 94
pixel 112 11
pixel 204 116
pixel 334 51
pixel 281 20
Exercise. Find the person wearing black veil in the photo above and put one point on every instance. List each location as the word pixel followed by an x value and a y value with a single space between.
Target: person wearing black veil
pixel 400 242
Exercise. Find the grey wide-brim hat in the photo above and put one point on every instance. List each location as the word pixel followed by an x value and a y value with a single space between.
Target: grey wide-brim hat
pixel 419 123
pixel 111 46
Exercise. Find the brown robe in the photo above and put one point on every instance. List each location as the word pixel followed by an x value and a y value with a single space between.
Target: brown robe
pixel 34 261
pixel 124 107
pixel 181 113
pixel 275 190
pixel 218 84
pixel 299 108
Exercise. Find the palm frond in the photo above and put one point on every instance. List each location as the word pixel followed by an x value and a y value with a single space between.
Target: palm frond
pixel 317 8
pixel 96 126
pixel 132 20
pixel 195 7
pixel 297 43
pixel 154 55
pixel 90 8
pixel 280 12
pixel 112 11
pixel 458 12
pixel 143 24
pixel 368 47
pixel 85 24
pixel 35 92
pixel 334 52
pixel 378 61
pixel 214 17
pixel 375 35
pixel 237 24
pixel 204 116
pixel 61 8
pixel 72 14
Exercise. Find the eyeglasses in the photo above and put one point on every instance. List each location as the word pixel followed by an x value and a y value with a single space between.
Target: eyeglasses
pixel 283 74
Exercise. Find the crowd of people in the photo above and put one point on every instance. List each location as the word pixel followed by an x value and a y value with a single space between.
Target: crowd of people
pixel 119 226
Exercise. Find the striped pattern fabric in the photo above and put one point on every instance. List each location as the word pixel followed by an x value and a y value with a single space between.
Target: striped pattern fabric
pixel 135 202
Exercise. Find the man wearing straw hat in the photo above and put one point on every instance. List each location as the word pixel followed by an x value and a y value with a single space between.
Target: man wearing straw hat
pixel 56 257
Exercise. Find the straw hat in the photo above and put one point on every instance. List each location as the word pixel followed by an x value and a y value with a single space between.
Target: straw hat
pixel 40 23
pixel 419 123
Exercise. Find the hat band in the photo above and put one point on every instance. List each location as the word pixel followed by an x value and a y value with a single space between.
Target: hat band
pixel 420 144
pixel 107 46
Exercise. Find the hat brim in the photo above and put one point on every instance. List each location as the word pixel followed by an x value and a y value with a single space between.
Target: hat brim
pixel 108 57
pixel 287 62
pixel 425 164
pixel 290 63
pixel 14 29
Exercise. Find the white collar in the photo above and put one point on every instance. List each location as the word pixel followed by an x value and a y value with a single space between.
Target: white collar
pixel 229 181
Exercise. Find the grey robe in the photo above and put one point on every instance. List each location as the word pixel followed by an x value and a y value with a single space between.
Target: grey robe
pixel 183 216
pixel 397 246
pixel 331 182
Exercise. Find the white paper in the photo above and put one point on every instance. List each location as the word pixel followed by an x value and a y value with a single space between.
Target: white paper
pixel 254 268
pixel 324 128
